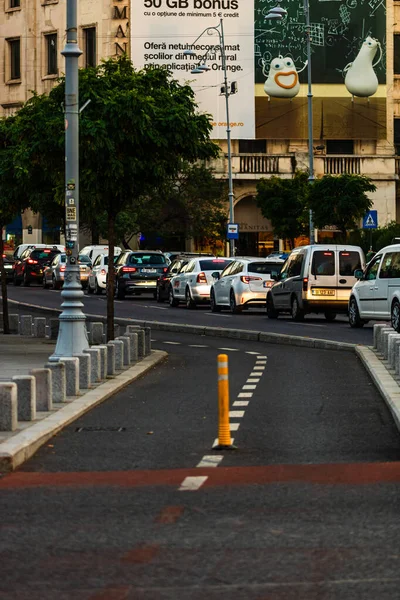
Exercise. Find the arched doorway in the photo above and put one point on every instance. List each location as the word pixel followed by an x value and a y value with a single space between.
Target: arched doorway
pixel 256 237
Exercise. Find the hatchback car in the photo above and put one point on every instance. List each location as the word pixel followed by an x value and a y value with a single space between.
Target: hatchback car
pixel 30 266
pixel 137 272
pixel 243 283
pixel 164 281
pixel 97 281
pixel 54 273
pixel 193 282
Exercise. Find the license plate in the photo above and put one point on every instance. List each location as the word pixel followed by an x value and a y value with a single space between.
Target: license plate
pixel 149 270
pixel 323 292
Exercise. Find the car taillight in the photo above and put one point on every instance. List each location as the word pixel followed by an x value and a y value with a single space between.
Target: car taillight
pixel 103 272
pixel 62 269
pixel 129 269
pixel 201 278
pixel 305 284
pixel 32 262
pixel 248 278
pixel 165 269
pixel 269 284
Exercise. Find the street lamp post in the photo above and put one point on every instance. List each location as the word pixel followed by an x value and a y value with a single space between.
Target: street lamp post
pixel 310 113
pixel 72 336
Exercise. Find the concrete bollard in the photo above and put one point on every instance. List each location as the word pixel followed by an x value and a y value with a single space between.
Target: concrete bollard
pixel 103 359
pixel 110 359
pixel 379 336
pixel 95 374
pixel 85 366
pixel 134 346
pixel 13 321
pixel 8 406
pixel 126 350
pixel 59 381
pixel 377 333
pixel 44 401
pixel 71 374
pixel 96 331
pixel 141 339
pixel 119 354
pixel 54 326
pixel 39 327
pixel 26 397
pixel 393 337
pixel 25 325
pixel 385 342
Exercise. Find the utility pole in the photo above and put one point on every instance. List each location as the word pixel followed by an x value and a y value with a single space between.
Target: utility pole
pixel 310 112
pixel 72 337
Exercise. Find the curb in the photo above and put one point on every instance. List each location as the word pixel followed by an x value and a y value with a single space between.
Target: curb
pixel 21 446
pixel 222 332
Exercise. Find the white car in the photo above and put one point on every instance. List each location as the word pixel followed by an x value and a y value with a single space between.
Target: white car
pixel 193 282
pixel 244 283
pixel 98 275
pixel 94 251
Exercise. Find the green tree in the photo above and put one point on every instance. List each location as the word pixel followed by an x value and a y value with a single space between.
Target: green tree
pixel 340 200
pixel 134 134
pixel 283 202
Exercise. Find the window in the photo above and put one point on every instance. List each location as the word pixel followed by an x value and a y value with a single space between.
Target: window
pixel 323 263
pixel 252 146
pixel 390 266
pixel 15 58
pixel 90 46
pixel 265 268
pixel 372 270
pixel 295 265
pixel 397 135
pixel 15 3
pixel 228 270
pixel 218 264
pixel 396 54
pixel 147 259
pixel 339 146
pixel 348 263
pixel 51 51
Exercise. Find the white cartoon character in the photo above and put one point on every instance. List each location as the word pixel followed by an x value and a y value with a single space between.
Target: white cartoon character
pixel 360 77
pixel 282 78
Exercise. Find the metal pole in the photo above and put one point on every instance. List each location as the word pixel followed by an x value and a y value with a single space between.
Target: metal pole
pixel 310 112
pixel 72 337
pixel 228 137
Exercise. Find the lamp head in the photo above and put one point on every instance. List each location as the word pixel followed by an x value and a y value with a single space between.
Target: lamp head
pixel 197 71
pixel 276 13
pixel 203 67
pixel 189 53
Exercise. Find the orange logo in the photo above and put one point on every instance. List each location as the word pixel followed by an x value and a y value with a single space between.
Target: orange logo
pixel 284 85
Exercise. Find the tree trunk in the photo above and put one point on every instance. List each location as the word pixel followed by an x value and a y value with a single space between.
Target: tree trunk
pixel 6 324
pixel 111 278
pixel 95 234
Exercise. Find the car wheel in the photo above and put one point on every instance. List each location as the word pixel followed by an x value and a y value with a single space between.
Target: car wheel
pixel 90 290
pixel 214 306
pixel 16 281
pixel 395 316
pixel 45 284
pixel 354 315
pixel 26 281
pixel 190 303
pixel 55 284
pixel 158 295
pixel 235 309
pixel 97 289
pixel 172 301
pixel 272 313
pixel 120 293
pixel 297 313
pixel 330 316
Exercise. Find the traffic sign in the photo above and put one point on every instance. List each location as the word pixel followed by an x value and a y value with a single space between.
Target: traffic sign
pixel 233 231
pixel 370 220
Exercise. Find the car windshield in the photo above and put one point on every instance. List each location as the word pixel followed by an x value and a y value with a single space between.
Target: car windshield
pixel 147 259
pixel 265 268
pixel 216 264
pixel 84 258
pixel 45 254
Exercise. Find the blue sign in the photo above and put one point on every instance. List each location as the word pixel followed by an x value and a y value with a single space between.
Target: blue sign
pixel 370 221
pixel 232 231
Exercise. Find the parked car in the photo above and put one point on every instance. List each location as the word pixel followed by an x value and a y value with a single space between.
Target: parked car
pixel 173 255
pixel 8 267
pixel 164 281
pixel 137 272
pixel 376 294
pixel 243 283
pixel 30 266
pixel 54 273
pixel 98 275
pixel 94 251
pixel 22 247
pixel 315 279
pixel 193 282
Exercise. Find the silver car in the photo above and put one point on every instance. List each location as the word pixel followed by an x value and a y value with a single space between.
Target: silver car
pixel 53 275
pixel 193 282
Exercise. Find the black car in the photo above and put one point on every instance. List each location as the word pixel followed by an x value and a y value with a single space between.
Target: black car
pixel 31 264
pixel 163 282
pixel 137 272
pixel 8 267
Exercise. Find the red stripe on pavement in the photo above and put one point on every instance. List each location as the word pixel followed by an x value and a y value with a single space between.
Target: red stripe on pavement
pixel 350 473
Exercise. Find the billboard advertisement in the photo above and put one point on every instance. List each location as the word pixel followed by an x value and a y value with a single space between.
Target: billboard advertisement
pixel 163 29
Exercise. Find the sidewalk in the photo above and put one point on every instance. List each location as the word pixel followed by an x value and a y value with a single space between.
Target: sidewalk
pixel 18 355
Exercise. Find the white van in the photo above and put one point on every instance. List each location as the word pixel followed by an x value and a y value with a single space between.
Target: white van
pixel 94 251
pixel 22 247
pixel 315 279
pixel 376 295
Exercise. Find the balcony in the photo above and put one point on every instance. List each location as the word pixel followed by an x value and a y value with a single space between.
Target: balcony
pixel 258 163
pixel 336 165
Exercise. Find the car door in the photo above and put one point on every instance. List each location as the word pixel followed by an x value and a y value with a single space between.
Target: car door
pixel 95 270
pixel 228 279
pixel 179 281
pixel 219 286
pixel 48 273
pixel 366 288
pixel 281 290
pixel 388 276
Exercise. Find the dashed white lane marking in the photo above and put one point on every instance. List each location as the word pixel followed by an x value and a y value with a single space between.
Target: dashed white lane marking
pixel 173 343
pixel 253 380
pixel 234 426
pixel 198 346
pixel 259 356
pixel 261 362
pixel 229 349
pixel 249 387
pixel 160 308
pixel 219 315
pixel 253 353
pixel 245 395
pixel 210 461
pixel 236 414
pixel 256 374
pixel 191 484
pixel 259 367
pixel 241 403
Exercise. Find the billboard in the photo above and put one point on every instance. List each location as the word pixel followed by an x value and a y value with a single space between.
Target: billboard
pixel 163 29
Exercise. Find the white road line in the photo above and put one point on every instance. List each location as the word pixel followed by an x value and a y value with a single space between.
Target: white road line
pixel 216 442
pixel 254 375
pixel 210 461
pixel 236 414
pixel 253 353
pixel 241 403
pixel 198 346
pixel 261 362
pixel 308 324
pixel 219 315
pixel 249 387
pixel 173 343
pixel 262 356
pixel 234 426
pixel 229 349
pixel 259 368
pixel 245 395
pixel 159 307
pixel 191 484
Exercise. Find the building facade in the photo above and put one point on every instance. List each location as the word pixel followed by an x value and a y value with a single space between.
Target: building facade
pixel 350 135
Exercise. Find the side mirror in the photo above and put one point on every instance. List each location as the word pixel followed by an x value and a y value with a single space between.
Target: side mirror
pixel 359 274
pixel 216 274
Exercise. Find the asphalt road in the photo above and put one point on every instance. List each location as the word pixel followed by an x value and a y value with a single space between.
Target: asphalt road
pixel 123 504
pixel 146 308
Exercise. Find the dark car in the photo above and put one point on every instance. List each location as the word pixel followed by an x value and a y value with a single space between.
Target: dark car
pixel 163 282
pixel 31 264
pixel 137 272
pixel 8 267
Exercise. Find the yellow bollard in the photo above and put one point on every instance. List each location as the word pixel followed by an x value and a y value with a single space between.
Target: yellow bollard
pixel 224 431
